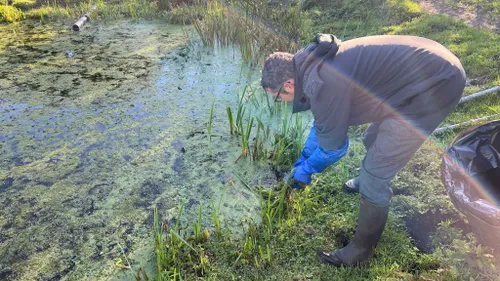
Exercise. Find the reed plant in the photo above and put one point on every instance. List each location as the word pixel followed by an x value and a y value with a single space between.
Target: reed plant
pixel 259 150
pixel 209 129
pixel 249 246
pixel 216 220
pixel 174 253
pixel 197 237
pixel 286 143
pixel 253 96
pixel 270 106
pixel 240 24
pixel 215 215
pixel 245 137
pixel 230 119
pixel 241 110
pixel 265 256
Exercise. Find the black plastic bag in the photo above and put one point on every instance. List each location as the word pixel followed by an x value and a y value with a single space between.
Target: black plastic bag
pixel 471 174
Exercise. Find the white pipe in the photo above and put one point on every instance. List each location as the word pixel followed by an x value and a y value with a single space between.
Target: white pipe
pixel 473 96
pixel 464 124
pixel 77 25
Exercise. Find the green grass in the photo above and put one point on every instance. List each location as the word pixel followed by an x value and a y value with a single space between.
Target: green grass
pixel 489 7
pixel 24 5
pixel 51 11
pixel 283 246
pixel 477 49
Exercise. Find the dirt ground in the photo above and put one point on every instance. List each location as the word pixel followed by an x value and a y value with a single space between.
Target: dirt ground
pixel 472 17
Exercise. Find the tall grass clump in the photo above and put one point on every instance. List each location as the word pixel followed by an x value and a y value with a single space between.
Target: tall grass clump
pixel 216 219
pixel 48 13
pixel 239 24
pixel 23 5
pixel 10 14
pixel 288 141
pixel 280 147
pixel 245 137
pixel 58 10
pixel 169 5
pixel 175 256
pixel 490 7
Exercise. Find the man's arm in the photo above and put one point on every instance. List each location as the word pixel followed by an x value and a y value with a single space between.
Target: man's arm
pixel 330 104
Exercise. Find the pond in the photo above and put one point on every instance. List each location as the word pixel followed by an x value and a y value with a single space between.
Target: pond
pixel 99 127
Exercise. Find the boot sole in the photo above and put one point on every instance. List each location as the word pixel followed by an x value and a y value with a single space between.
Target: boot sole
pixel 327 259
pixel 349 190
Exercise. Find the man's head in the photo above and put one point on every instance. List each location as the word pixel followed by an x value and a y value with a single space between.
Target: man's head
pixel 278 76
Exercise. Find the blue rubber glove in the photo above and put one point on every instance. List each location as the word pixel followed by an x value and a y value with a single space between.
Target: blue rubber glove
pixel 309 147
pixel 317 163
pixel 295 184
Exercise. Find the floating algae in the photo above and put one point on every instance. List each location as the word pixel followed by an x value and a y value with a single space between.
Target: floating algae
pixel 89 144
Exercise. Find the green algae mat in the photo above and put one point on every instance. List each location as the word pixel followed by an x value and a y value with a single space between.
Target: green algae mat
pixel 99 127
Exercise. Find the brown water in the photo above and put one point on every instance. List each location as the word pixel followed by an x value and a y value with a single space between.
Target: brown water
pixel 97 128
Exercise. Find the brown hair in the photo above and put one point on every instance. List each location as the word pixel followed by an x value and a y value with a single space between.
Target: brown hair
pixel 278 68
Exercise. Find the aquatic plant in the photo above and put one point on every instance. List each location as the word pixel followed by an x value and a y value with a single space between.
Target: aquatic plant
pixel 245 137
pixel 199 236
pixel 288 141
pixel 270 106
pixel 174 253
pixel 259 150
pixel 169 247
pixel 230 119
pixel 253 97
pixel 209 129
pixel 216 220
pixel 241 112
pixel 238 23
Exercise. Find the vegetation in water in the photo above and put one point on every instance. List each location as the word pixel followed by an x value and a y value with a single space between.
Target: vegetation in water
pixel 209 129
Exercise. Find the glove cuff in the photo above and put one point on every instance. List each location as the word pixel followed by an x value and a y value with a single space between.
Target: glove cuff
pixel 311 143
pixel 322 158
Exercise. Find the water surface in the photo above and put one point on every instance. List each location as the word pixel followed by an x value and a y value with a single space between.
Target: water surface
pixel 97 128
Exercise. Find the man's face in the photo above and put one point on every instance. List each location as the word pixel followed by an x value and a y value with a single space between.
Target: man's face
pixel 285 93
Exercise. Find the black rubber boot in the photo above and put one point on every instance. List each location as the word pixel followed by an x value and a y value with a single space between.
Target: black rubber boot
pixel 371 224
pixel 351 186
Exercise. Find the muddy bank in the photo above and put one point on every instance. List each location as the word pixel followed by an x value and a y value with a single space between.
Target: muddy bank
pixel 97 128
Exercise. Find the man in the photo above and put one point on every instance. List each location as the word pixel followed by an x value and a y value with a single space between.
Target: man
pixel 405 86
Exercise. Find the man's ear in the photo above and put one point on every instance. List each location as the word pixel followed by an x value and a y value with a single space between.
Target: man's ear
pixel 289 85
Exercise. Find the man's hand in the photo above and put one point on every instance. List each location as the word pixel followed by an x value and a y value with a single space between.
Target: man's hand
pixel 290 194
pixel 295 184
